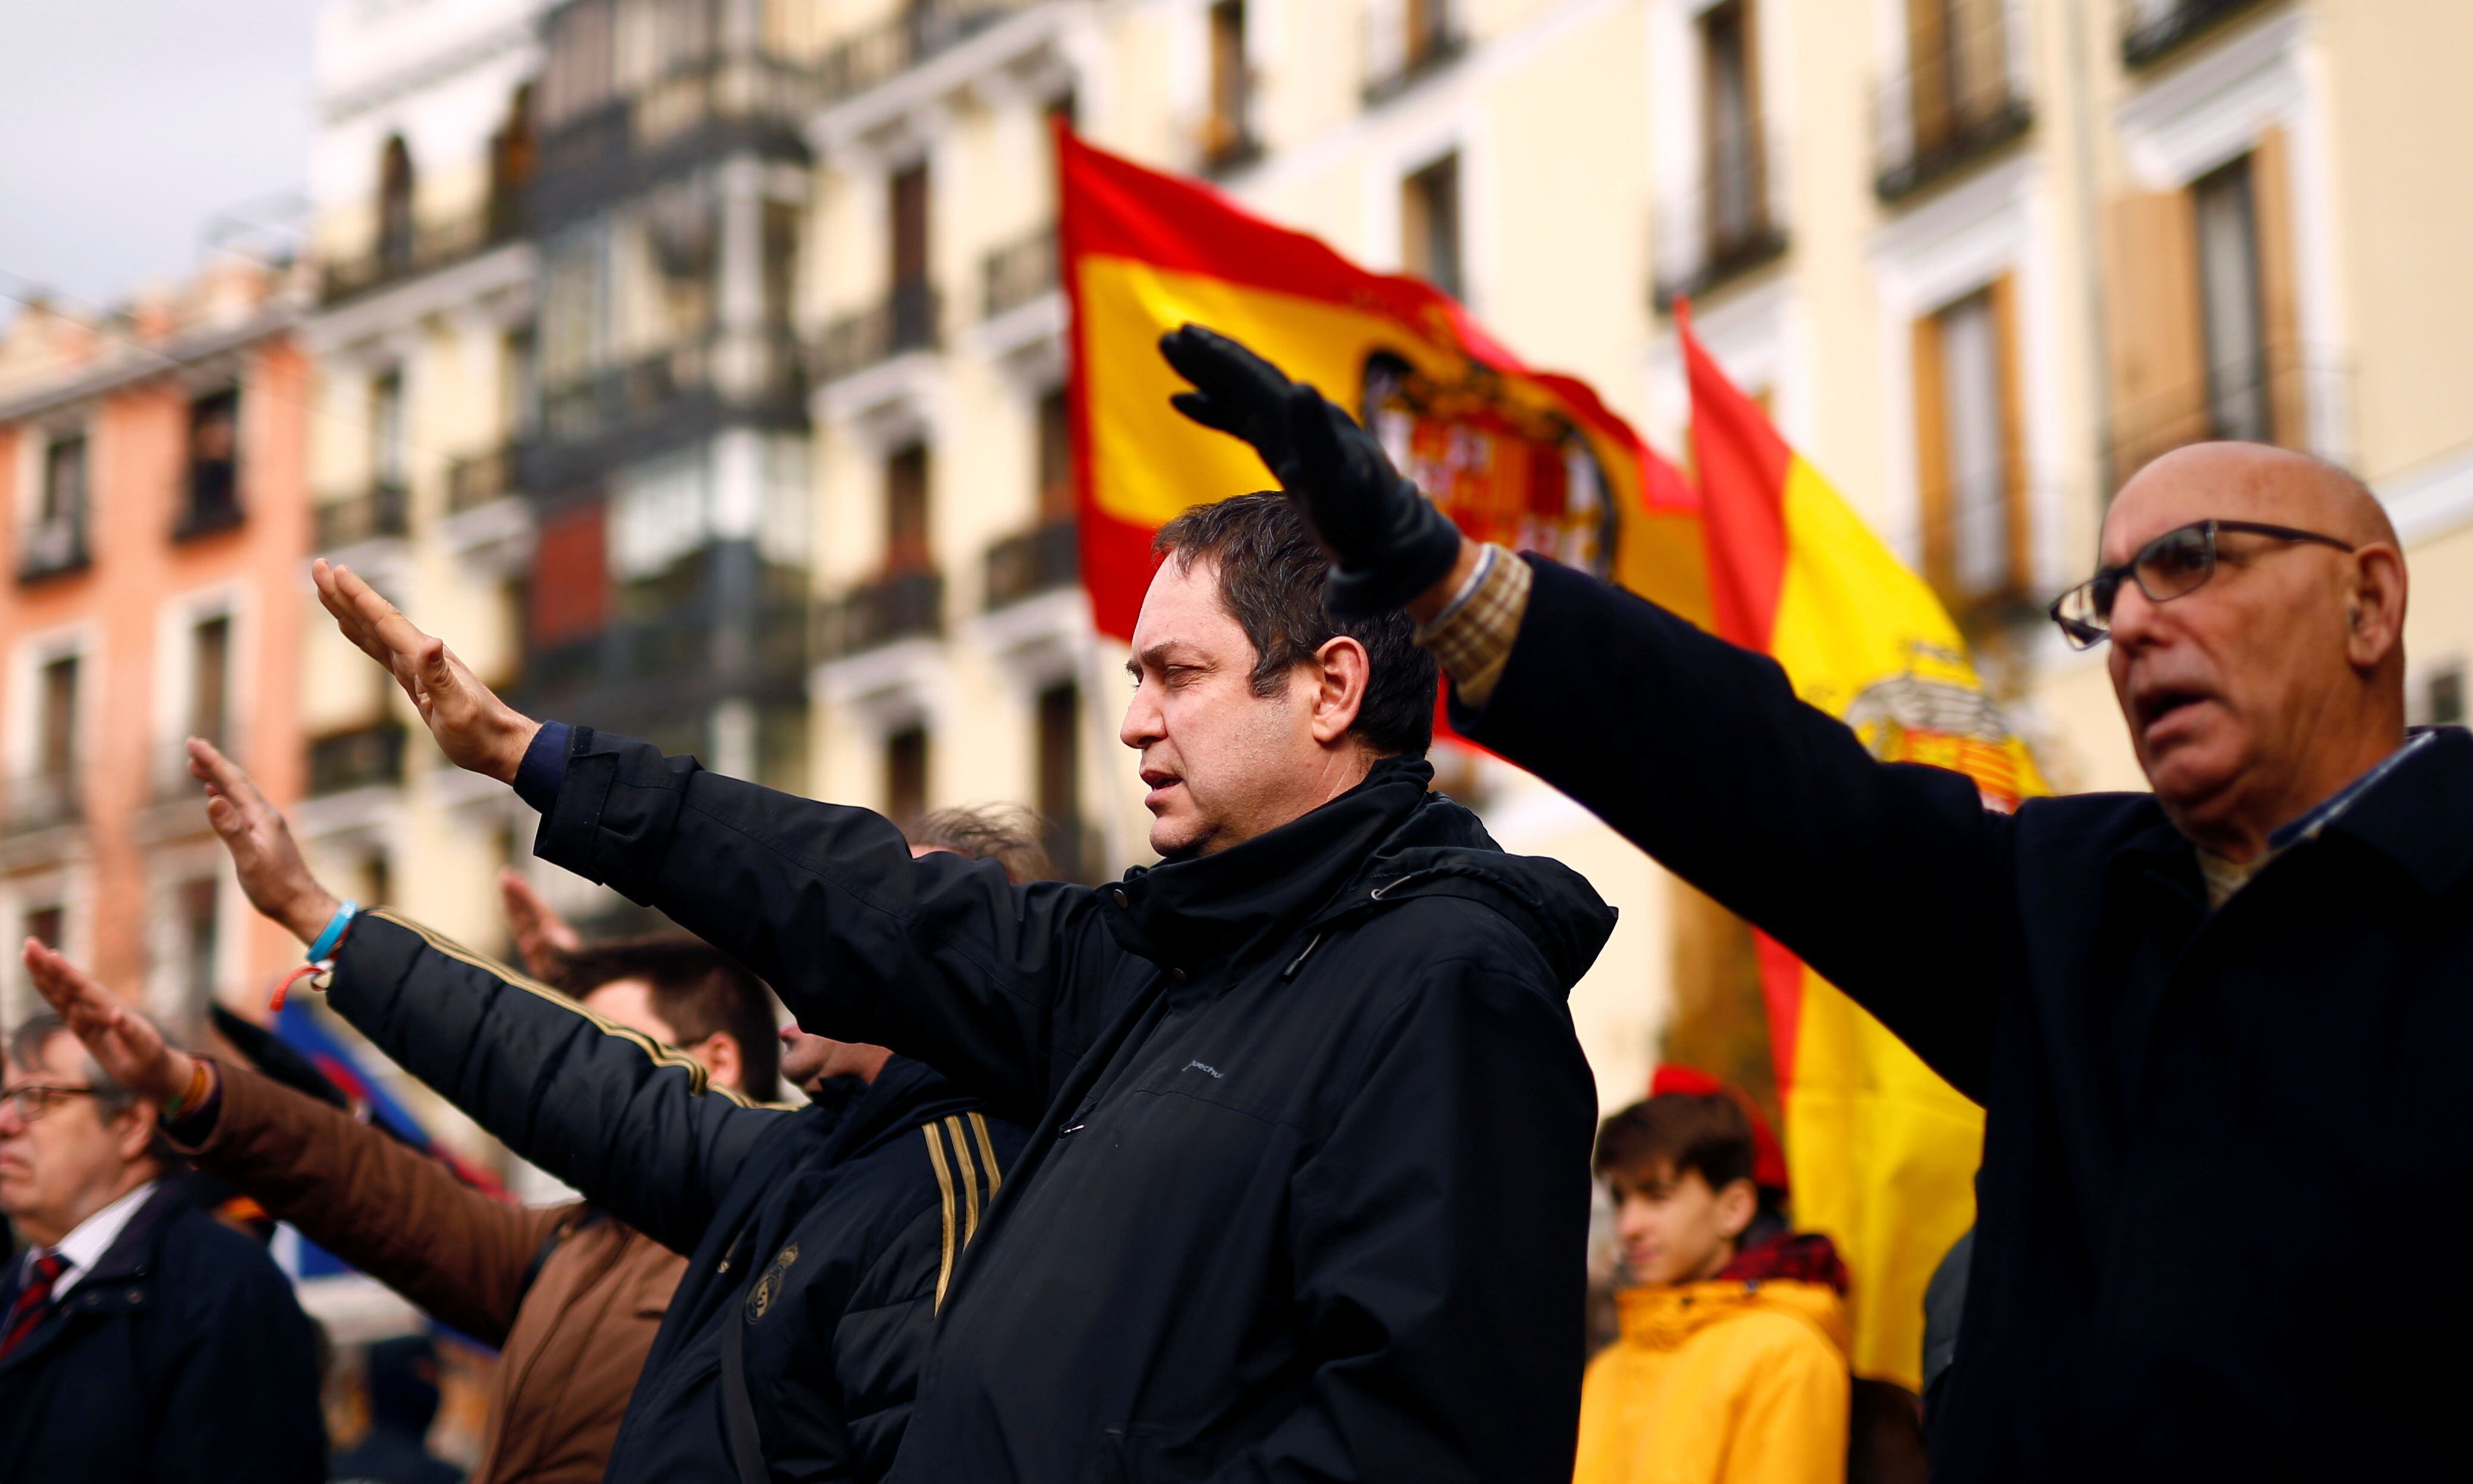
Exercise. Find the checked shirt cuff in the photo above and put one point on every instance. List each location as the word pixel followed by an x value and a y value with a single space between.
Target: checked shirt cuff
pixel 1471 640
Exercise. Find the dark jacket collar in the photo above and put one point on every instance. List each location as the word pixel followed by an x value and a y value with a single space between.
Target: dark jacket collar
pixel 133 1253
pixel 1390 839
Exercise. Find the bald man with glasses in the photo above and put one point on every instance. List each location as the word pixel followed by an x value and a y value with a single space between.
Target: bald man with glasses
pixel 2222 1031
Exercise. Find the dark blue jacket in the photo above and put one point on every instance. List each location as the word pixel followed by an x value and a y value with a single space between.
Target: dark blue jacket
pixel 1309 1194
pixel 826 1240
pixel 2209 1137
pixel 181 1356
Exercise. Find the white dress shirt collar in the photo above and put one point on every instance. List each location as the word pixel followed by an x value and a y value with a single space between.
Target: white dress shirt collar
pixel 87 1242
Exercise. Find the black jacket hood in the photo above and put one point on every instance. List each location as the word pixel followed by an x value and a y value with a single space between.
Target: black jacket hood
pixel 1389 840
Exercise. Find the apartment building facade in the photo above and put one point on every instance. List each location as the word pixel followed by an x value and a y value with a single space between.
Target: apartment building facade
pixel 423 332
pixel 153 504
pixel 1980 258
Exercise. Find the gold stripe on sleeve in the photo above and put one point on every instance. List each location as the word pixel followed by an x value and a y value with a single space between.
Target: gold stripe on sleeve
pixel 945 1182
pixel 969 1178
pixel 987 1154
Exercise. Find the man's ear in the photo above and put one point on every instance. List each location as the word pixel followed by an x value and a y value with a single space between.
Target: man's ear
pixel 1737 1205
pixel 723 1059
pixel 2376 606
pixel 134 1130
pixel 1342 672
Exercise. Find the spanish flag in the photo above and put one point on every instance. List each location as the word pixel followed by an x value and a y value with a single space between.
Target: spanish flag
pixel 1526 458
pixel 1881 1150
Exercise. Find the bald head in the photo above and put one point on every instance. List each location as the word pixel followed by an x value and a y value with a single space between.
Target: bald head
pixel 2254 696
pixel 2243 482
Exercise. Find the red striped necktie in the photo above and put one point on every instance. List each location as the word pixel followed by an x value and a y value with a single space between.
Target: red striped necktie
pixel 32 1301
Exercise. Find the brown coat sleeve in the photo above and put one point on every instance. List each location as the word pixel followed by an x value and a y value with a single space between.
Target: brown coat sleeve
pixel 396 1214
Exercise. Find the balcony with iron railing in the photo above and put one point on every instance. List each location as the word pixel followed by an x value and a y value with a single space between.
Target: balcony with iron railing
pixel 702 107
pixel 899 606
pixel 380 512
pixel 1040 560
pixel 919 30
pixel 367 756
pixel 484 478
pixel 53 547
pixel 906 320
pixel 1408 42
pixel 1961 96
pixel 2152 30
pixel 1725 224
pixel 1018 273
pixel 653 396
pixel 42 800
pixel 427 247
pixel 211 499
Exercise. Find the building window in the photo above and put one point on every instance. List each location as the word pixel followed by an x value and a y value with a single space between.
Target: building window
pixel 2231 306
pixel 1737 216
pixel 1967 454
pixel 396 226
pixel 194 920
pixel 905 512
pixel 1058 759
pixel 210 678
pixel 386 431
pixel 914 294
pixel 214 464
pixel 56 541
pixel 2436 697
pixel 1055 459
pixel 1227 130
pixel 513 152
pixel 56 718
pixel 1958 52
pixel 1430 225
pixel 47 926
pixel 906 775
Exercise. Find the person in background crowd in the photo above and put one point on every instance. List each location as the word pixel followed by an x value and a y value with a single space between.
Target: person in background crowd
pixel 570 1297
pixel 1731 1364
pixel 140 1339
pixel 1310 1193
pixel 402 1383
pixel 821 1243
pixel 2218 1029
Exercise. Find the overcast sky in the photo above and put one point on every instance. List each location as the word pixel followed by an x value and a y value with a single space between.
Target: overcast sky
pixel 125 125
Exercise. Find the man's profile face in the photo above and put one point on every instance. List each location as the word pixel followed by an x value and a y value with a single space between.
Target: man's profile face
pixel 1676 1227
pixel 1223 764
pixel 2225 689
pixel 61 1165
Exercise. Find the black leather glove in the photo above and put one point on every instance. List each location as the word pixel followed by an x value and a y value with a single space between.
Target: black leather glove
pixel 1389 542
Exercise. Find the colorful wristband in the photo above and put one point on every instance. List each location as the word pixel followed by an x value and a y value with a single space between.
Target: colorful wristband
pixel 324 947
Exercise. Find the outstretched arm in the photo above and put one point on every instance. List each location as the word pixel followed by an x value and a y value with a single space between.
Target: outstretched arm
pixel 607 1109
pixel 940 959
pixel 396 1214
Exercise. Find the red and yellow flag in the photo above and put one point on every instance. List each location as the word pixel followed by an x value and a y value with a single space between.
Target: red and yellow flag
pixel 1526 458
pixel 1882 1151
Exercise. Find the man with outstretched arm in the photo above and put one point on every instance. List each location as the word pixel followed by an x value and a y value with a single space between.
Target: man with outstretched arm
pixel 1308 1197
pixel 819 1242
pixel 2218 1030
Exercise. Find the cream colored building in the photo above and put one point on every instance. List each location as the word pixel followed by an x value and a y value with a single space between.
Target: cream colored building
pixel 422 341
pixel 1978 256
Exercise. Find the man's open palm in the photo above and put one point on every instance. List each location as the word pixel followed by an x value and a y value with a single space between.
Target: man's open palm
pixel 474 729
pixel 273 875
pixel 125 1043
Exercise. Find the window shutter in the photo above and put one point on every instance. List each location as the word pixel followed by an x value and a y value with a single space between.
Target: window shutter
pixel 2270 176
pixel 1933 504
pixel 2159 379
pixel 2013 429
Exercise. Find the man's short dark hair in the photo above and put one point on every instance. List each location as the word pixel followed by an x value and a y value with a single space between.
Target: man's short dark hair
pixel 1006 833
pixel 1271 573
pixel 1677 1132
pixel 700 991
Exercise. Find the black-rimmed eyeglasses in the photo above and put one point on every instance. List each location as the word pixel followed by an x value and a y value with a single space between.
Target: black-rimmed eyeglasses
pixel 2173 566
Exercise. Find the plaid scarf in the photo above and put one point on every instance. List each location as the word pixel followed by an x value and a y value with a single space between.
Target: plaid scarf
pixel 1805 1258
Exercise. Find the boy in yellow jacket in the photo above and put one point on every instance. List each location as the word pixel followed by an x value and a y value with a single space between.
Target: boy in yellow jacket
pixel 1731 1363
